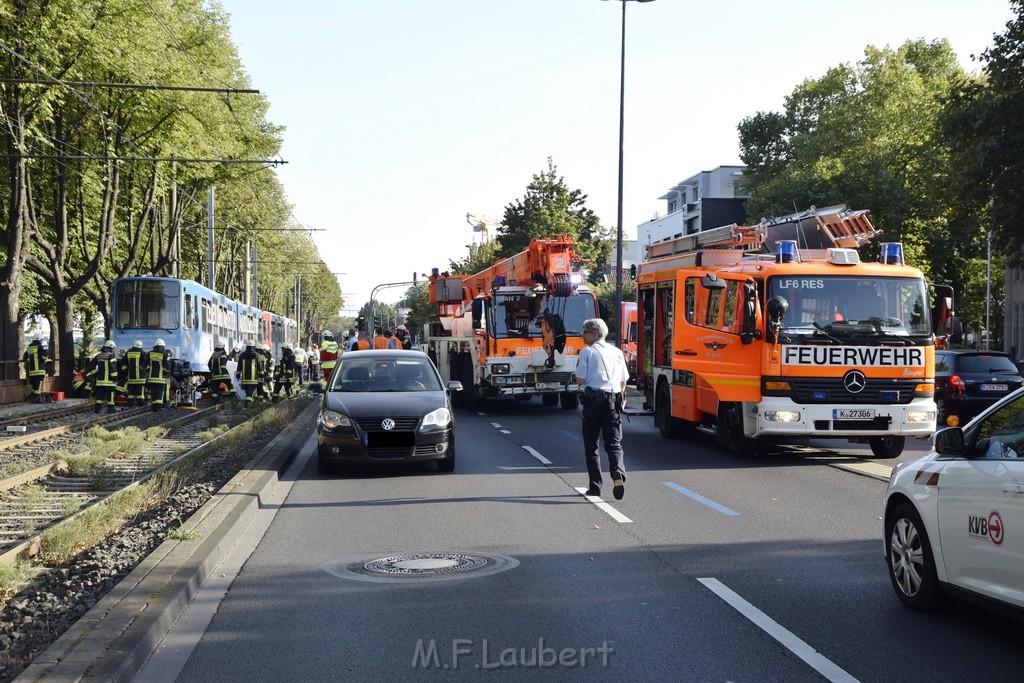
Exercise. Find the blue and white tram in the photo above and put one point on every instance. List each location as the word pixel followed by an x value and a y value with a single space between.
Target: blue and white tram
pixel 190 318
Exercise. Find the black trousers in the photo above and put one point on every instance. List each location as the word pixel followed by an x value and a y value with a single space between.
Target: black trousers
pixel 600 419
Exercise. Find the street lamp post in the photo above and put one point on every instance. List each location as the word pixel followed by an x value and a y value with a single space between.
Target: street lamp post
pixel 622 119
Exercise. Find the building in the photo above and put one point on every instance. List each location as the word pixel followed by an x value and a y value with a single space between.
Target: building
pixel 709 199
pixel 1013 314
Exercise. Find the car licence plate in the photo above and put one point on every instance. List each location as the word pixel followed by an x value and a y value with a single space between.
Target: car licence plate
pixel 995 387
pixel 548 385
pixel 853 414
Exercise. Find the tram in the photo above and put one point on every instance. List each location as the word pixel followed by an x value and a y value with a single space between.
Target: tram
pixel 190 319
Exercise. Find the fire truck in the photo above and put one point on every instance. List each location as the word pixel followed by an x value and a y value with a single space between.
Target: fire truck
pixel 778 332
pixel 513 329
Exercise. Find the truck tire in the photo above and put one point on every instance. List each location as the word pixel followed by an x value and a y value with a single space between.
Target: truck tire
pixel 473 399
pixel 569 400
pixel 669 427
pixel 455 374
pixel 887 446
pixel 729 426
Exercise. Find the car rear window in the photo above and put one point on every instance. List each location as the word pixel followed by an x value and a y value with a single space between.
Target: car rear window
pixel 984 364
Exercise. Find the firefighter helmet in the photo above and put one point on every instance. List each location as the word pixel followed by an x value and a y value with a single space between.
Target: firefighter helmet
pixel 109 344
pixel 137 344
pixel 160 342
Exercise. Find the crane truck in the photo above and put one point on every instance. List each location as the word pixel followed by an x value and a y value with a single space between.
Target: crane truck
pixel 779 332
pixel 513 329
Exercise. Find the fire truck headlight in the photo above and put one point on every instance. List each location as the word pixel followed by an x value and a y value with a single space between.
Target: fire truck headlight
pixel 921 416
pixel 501 369
pixel 782 415
pixel 576 279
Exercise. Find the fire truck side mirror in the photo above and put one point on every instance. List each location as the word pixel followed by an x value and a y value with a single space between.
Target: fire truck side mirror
pixel 750 331
pixel 777 309
pixel 942 310
pixel 712 282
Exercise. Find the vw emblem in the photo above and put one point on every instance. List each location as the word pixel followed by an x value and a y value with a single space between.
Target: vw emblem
pixel 389 424
pixel 854 381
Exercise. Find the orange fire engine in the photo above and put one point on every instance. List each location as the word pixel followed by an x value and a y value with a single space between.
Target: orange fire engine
pixel 513 329
pixel 778 332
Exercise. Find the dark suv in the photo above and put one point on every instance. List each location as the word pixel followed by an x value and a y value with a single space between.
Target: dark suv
pixel 968 382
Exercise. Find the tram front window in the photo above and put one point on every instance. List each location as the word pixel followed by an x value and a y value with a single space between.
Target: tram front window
pixel 147 304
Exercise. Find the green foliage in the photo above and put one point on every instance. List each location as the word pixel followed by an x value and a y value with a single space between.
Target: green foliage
pixel 982 126
pixel 550 208
pixel 421 311
pixel 479 257
pixel 62 542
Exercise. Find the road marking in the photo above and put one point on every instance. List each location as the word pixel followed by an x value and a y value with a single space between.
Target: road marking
pixel 543 460
pixel 798 647
pixel 571 435
pixel 496 425
pixel 603 506
pixel 505 431
pixel 868 469
pixel 699 498
pixel 480 413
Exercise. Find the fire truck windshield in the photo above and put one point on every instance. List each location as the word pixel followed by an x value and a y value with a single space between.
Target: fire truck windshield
pixel 853 305
pixel 518 316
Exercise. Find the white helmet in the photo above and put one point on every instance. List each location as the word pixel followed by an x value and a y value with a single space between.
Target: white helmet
pixel 266 347
pixel 110 344
pixel 286 345
pixel 160 342
pixel 137 344
pixel 236 347
pixel 328 333
pixel 219 344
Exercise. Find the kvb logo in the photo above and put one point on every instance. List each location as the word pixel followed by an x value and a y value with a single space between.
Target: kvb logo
pixel 986 528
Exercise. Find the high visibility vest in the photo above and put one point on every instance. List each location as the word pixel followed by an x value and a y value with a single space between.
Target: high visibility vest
pixel 380 342
pixel 249 364
pixel 219 366
pixel 103 370
pixel 329 354
pixel 158 366
pixel 35 360
pixel 134 367
pixel 362 345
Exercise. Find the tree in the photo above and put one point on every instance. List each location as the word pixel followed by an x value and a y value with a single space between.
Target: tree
pixel 551 208
pixel 481 255
pixel 866 135
pixel 982 126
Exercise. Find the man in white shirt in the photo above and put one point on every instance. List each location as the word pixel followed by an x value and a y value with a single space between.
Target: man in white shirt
pixel 601 371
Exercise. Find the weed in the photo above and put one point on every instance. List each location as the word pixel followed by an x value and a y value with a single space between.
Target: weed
pixel 13 577
pixel 62 542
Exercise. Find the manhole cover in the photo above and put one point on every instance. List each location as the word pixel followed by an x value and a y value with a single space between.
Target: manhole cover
pixel 419 567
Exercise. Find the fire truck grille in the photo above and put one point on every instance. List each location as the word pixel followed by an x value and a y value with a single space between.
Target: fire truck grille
pixel 876 391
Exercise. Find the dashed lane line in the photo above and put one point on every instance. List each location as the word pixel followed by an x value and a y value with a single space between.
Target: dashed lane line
pixel 787 638
pixel 534 453
pixel 604 507
pixel 700 499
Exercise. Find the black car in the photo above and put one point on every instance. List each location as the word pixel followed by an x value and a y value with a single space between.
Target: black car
pixel 386 407
pixel 968 382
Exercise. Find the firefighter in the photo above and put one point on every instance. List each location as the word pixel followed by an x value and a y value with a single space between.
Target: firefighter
pixel 402 334
pixel 285 377
pixel 220 380
pixel 266 373
pixel 158 369
pixel 102 375
pixel 35 368
pixel 249 370
pixel 132 373
pixel 328 356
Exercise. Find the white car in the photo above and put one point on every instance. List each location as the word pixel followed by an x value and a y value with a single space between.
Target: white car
pixel 954 519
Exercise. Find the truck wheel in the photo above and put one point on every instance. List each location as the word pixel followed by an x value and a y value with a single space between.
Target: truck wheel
pixel 670 427
pixel 473 399
pixel 887 446
pixel 455 374
pixel 549 399
pixel 730 432
pixel 570 401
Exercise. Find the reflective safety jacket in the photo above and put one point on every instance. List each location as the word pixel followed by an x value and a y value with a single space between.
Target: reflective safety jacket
pixel 286 367
pixel 158 365
pixel 102 370
pixel 329 354
pixel 380 342
pixel 219 366
pixel 249 370
pixel 35 360
pixel 133 367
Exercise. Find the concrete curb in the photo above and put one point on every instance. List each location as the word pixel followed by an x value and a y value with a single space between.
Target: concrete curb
pixel 116 637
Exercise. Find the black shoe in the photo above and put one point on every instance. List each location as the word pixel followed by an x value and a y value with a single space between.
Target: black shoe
pixel 594 492
pixel 619 489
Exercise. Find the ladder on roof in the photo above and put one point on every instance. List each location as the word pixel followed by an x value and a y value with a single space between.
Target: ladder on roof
pixel 725 237
pixel 848 229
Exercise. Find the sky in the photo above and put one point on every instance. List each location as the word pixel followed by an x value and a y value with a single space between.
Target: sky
pixel 402 116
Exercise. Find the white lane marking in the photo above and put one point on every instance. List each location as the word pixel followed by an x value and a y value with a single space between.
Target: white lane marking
pixel 480 413
pixel 543 460
pixel 505 431
pixel 496 425
pixel 700 499
pixel 868 469
pixel 786 637
pixel 605 507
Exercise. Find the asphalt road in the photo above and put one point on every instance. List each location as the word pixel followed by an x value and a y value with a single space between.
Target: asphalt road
pixel 710 569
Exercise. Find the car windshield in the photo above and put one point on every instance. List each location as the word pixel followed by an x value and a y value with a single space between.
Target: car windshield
pixel 384 374
pixel 519 316
pixel 985 364
pixel 848 305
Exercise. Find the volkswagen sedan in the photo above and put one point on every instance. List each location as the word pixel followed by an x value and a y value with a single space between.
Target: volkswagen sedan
pixel 386 407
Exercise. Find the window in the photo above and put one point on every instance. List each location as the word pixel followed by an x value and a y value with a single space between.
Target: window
pixel 1001 435
pixel 673 206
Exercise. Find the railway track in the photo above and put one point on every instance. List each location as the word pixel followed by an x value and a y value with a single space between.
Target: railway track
pixel 35 500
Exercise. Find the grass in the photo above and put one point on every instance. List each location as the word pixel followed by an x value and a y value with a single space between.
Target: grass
pixel 13 577
pixel 60 543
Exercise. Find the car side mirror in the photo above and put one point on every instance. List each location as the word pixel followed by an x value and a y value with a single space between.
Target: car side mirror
pixel 712 282
pixel 949 441
pixel 454 385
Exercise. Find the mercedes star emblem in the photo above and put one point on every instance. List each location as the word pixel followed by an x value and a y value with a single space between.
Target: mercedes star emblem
pixel 389 424
pixel 854 381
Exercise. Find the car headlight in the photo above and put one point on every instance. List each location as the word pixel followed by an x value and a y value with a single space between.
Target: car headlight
pixel 440 417
pixel 333 419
